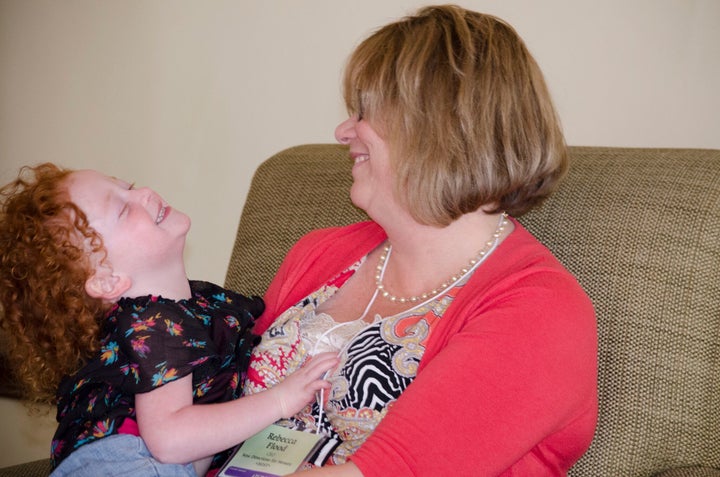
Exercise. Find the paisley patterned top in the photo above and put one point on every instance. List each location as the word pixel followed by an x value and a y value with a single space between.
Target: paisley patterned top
pixel 149 341
pixel 379 360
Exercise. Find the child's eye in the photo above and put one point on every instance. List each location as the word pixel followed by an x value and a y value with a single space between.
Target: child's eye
pixel 126 205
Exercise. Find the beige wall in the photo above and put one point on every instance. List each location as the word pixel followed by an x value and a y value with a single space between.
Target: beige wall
pixel 190 96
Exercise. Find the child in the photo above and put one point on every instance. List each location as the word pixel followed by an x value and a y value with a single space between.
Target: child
pixel 97 306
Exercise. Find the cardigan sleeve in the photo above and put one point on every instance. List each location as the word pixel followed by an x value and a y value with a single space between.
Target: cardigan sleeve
pixel 511 389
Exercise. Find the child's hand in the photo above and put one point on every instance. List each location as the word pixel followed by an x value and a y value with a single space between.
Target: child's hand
pixel 298 388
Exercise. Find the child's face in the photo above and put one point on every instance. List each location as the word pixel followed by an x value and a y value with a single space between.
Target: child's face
pixel 140 231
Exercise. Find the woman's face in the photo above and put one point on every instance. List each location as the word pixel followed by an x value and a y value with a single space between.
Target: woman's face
pixel 372 188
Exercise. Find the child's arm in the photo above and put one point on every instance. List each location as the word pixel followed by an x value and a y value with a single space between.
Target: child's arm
pixel 348 469
pixel 175 430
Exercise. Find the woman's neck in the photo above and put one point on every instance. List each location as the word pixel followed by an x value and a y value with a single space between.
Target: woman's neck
pixel 424 256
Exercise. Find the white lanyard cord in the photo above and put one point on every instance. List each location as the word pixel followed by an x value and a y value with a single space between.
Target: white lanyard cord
pixel 320 399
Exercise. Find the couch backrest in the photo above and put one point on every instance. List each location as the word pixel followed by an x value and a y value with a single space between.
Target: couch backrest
pixel 297 190
pixel 639 228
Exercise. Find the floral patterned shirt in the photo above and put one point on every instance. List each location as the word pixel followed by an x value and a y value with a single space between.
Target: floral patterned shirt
pixel 147 342
pixel 379 360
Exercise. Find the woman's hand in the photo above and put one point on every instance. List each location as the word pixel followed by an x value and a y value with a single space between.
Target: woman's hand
pixel 299 388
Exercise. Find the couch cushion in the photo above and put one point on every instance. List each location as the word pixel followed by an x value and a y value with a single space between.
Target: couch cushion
pixel 37 468
pixel 690 472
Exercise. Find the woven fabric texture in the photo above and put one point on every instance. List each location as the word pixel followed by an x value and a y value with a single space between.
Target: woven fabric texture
pixel 639 228
pixel 690 472
pixel 37 468
pixel 292 193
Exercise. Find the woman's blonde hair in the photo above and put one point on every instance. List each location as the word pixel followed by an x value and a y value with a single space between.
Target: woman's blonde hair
pixel 51 324
pixel 465 111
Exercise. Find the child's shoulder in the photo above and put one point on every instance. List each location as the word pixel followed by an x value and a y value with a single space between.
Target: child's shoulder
pixel 216 293
pixel 147 309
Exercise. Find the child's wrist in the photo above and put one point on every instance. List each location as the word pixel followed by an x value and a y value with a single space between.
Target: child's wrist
pixel 281 404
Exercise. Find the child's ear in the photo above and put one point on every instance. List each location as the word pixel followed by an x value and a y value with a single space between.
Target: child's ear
pixel 106 285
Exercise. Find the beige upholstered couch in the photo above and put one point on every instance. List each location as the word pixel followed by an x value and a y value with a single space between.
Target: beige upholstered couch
pixel 640 228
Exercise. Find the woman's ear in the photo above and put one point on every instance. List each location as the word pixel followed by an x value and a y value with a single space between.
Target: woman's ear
pixel 106 285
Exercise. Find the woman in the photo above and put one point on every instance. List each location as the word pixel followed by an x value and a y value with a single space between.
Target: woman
pixel 466 348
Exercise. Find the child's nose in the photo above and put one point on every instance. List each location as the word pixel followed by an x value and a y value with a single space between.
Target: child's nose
pixel 143 194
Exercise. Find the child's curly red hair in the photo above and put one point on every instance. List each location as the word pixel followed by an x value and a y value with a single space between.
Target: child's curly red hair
pixel 51 324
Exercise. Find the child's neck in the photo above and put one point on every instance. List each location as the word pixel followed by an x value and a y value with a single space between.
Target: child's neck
pixel 173 286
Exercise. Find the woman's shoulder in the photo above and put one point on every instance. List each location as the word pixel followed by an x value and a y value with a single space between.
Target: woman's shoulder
pixel 523 287
pixel 522 251
pixel 332 240
pixel 358 229
pixel 522 264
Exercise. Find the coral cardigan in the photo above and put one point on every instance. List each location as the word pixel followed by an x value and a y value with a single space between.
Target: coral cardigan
pixel 508 382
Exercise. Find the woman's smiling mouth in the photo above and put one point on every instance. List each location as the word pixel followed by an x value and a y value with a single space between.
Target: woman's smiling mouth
pixel 359 158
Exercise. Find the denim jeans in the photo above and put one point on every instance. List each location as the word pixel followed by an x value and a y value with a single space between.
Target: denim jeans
pixel 118 455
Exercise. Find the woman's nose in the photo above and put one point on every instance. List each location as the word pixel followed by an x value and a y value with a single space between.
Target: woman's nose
pixel 345 131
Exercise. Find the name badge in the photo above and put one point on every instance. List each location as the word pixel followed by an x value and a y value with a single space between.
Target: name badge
pixel 272 452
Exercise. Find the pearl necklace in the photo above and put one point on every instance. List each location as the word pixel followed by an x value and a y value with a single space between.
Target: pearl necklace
pixel 447 284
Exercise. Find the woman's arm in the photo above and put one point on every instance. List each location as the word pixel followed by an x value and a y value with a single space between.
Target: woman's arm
pixel 514 387
pixel 178 431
